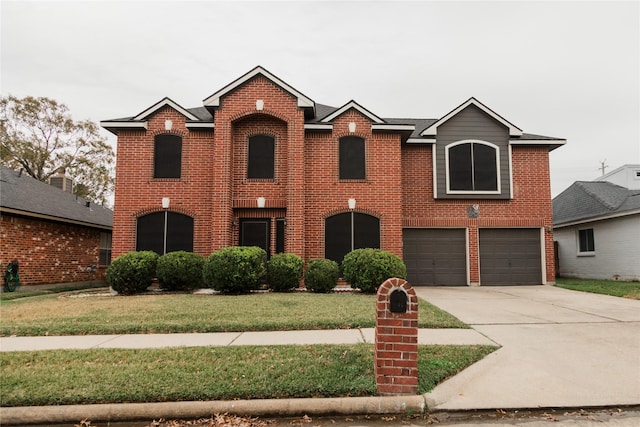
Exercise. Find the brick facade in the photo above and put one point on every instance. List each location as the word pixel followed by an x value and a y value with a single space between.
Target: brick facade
pixel 48 251
pixel 398 189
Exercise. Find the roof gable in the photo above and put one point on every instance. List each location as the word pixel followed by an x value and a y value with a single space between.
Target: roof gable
pixel 164 103
pixel 346 107
pixel 433 129
pixel 214 100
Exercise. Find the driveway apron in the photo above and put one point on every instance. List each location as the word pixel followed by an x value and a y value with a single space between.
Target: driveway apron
pixel 559 348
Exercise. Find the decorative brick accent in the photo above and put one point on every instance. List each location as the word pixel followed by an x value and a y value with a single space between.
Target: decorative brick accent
pixel 396 344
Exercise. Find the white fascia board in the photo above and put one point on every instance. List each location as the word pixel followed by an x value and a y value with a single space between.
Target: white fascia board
pixel 421 141
pixel 214 100
pixel 125 125
pixel 199 125
pixel 318 126
pixel 165 102
pixel 537 141
pixel 387 126
pixel 432 130
pixel 355 106
pixel 597 218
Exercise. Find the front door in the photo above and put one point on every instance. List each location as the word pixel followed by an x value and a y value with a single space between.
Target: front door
pixel 256 232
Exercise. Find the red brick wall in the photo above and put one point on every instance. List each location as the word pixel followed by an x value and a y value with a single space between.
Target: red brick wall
pixel 49 252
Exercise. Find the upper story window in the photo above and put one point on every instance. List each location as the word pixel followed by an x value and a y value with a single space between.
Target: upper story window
pixel 352 158
pixel 473 166
pixel 586 243
pixel 167 158
pixel 261 157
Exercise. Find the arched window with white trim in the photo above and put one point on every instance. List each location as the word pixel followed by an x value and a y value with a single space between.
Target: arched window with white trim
pixel 473 167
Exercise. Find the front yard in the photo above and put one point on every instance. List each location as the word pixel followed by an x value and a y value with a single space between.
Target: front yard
pixel 606 287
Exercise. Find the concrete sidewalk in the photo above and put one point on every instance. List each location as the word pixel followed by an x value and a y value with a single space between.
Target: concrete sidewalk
pixel 339 336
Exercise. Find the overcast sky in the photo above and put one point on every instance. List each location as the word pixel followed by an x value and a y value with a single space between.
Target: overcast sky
pixel 568 69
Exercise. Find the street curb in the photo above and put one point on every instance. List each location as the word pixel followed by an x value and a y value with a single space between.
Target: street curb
pixel 379 405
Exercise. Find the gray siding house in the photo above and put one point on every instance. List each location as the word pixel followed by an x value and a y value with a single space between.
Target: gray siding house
pixel 597 227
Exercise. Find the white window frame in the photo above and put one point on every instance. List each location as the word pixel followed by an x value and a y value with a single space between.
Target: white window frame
pixel 472 141
pixel 585 253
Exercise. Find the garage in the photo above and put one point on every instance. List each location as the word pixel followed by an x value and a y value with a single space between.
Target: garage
pixel 435 256
pixel 510 256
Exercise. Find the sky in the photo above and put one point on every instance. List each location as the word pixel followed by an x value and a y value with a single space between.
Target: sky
pixel 567 69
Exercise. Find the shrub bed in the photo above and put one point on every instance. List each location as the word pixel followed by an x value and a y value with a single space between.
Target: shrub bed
pixel 284 272
pixel 236 269
pixel 132 272
pixel 368 268
pixel 321 275
pixel 180 271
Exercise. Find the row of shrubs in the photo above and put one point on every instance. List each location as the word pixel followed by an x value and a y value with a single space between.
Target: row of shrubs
pixel 240 269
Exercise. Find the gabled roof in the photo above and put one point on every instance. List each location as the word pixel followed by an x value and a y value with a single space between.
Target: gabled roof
pixel 24 195
pixel 586 201
pixel 214 100
pixel 346 107
pixel 432 130
pixel 163 103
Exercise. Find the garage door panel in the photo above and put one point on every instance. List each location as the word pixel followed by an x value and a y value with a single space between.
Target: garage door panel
pixel 510 256
pixel 435 256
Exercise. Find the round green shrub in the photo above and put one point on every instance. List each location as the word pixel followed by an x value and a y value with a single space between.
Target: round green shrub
pixel 132 272
pixel 284 272
pixel 321 275
pixel 236 269
pixel 180 271
pixel 367 269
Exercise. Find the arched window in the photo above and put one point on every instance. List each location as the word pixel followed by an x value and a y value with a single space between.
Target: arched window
pixel 352 158
pixel 167 157
pixel 348 231
pixel 472 166
pixel 261 157
pixel 164 232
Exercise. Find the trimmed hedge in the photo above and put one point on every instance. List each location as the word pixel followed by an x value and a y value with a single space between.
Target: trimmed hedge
pixel 236 269
pixel 284 272
pixel 180 271
pixel 322 275
pixel 132 272
pixel 368 268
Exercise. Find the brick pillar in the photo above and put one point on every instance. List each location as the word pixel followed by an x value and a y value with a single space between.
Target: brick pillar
pixel 396 356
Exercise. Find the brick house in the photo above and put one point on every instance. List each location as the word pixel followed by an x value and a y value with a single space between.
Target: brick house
pixel 56 236
pixel 463 199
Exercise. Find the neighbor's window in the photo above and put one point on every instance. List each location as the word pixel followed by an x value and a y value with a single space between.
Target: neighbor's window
pixel 585 240
pixel 261 157
pixel 105 249
pixel 167 158
pixel 352 158
pixel 472 167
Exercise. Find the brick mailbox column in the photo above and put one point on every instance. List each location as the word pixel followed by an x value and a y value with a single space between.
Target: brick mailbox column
pixel 396 356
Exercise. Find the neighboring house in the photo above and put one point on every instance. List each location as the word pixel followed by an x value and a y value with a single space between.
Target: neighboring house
pixel 597 227
pixel 56 236
pixel 463 199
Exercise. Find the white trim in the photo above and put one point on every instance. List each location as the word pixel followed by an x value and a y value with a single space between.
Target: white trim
pixel 433 129
pixel 355 106
pixel 421 141
pixel 162 103
pixel 435 173
pixel 597 218
pixel 385 126
pixel 199 125
pixel 214 100
pixel 577 234
pixel 537 141
pixel 466 233
pixel 510 172
pixel 131 125
pixel 472 192
pixel 318 126
pixel 543 256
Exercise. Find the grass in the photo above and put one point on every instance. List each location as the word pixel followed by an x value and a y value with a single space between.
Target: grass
pixel 208 373
pixel 606 287
pixel 175 313
pixel 26 292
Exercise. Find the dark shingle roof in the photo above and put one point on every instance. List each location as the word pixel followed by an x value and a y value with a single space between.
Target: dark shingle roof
pixel 586 200
pixel 22 194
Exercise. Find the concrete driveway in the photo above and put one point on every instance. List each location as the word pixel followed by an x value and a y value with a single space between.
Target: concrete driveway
pixel 560 348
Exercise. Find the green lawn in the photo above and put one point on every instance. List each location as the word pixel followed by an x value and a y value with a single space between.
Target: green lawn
pixel 606 287
pixel 209 373
pixel 66 314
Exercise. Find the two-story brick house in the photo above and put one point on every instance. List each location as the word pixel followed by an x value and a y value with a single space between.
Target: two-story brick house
pixel 464 199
